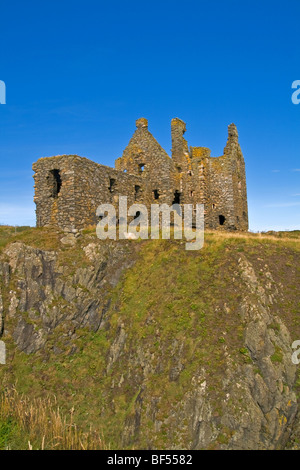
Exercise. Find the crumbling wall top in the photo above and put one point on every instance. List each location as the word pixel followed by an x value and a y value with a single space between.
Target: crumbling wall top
pixel 141 123
pixel 178 123
pixel 199 152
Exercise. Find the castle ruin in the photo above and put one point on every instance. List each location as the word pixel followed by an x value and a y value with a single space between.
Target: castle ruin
pixel 69 188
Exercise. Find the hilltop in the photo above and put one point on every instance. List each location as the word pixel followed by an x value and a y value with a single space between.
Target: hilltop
pixel 153 346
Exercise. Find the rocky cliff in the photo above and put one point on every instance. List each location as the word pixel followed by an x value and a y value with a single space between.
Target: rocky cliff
pixel 159 347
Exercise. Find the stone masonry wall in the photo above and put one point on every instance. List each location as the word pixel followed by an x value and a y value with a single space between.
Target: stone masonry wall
pixel 69 188
pixel 145 158
pixel 98 184
pixel 54 206
pixel 84 186
pixel 234 154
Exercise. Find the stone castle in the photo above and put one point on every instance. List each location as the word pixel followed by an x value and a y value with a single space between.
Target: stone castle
pixel 69 188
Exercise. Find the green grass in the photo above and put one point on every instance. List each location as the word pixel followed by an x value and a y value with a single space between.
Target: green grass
pixel 277 356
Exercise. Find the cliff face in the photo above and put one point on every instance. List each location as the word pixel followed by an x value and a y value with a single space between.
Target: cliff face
pixel 48 297
pixel 159 347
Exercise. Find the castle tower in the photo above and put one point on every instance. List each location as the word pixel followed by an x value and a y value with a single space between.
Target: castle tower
pixel 232 144
pixel 235 161
pixel 179 144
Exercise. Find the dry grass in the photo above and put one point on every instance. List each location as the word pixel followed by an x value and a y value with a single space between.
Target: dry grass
pixel 39 424
pixel 277 236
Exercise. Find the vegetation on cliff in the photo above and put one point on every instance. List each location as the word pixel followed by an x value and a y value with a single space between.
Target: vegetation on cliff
pixel 146 345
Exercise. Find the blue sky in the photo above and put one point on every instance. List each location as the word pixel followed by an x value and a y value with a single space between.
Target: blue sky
pixel 78 74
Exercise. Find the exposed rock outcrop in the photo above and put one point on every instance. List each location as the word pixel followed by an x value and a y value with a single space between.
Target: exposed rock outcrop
pixel 47 299
pixel 48 302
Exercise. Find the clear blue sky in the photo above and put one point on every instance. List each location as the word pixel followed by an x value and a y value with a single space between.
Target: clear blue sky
pixel 79 73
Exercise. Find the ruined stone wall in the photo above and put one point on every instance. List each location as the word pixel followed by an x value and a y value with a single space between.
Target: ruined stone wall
pixel 220 207
pixel 218 183
pixel 98 184
pixel 179 144
pixel 69 188
pixel 54 205
pixel 84 186
pixel 234 154
pixel 145 158
pixel 200 179
pixel 182 163
pixel 227 201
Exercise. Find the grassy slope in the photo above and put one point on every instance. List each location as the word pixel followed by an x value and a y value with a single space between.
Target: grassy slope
pixel 171 297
